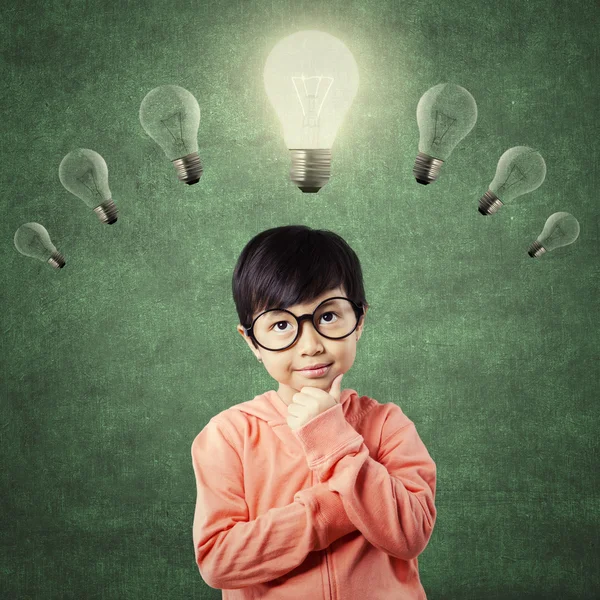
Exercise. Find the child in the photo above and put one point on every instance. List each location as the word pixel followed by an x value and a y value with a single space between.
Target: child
pixel 309 491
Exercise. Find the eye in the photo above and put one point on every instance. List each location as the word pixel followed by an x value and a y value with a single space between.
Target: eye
pixel 329 313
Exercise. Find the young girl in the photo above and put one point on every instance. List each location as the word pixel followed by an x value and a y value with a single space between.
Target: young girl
pixel 310 491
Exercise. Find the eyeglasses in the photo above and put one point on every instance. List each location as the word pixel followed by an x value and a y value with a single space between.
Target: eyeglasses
pixel 277 329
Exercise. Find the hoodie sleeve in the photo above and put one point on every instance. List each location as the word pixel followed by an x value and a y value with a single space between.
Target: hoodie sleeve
pixel 232 551
pixel 391 499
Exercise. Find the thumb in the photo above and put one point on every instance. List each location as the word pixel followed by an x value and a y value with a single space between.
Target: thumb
pixel 336 388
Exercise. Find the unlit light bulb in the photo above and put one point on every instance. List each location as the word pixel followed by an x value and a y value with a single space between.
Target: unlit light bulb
pixel 170 115
pixel 32 239
pixel 520 170
pixel 561 229
pixel 84 173
pixel 311 79
pixel 446 113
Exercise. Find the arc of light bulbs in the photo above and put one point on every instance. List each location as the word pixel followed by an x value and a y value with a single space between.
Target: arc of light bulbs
pixel 170 115
pixel 520 170
pixel 446 113
pixel 309 133
pixel 33 240
pixel 84 173
pixel 560 229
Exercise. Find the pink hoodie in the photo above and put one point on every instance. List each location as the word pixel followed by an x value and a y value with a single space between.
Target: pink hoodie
pixel 338 509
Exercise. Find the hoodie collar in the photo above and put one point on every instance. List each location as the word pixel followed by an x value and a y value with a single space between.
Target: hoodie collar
pixel 271 408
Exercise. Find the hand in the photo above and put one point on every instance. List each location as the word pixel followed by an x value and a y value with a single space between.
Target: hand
pixel 310 402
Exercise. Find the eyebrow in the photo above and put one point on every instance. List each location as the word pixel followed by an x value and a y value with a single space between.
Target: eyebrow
pixel 289 308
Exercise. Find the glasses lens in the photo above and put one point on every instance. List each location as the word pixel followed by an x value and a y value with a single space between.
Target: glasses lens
pixel 277 329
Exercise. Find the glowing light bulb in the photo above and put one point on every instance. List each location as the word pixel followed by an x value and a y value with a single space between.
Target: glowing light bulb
pixel 32 239
pixel 446 113
pixel 311 79
pixel 170 115
pixel 85 174
pixel 520 170
pixel 561 229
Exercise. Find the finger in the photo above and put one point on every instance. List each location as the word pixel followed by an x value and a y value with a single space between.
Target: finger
pixel 336 388
pixel 312 392
pixel 297 398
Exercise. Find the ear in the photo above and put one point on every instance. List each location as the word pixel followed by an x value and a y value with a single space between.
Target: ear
pixel 361 325
pixel 248 340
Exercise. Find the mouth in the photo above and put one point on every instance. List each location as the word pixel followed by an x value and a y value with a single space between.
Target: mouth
pixel 316 366
pixel 317 371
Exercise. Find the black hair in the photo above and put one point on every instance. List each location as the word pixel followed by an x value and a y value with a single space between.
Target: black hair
pixel 293 264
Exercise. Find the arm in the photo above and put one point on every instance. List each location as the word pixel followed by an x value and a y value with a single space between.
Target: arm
pixel 233 552
pixel 391 499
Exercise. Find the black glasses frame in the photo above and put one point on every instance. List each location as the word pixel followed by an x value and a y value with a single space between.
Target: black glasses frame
pixel 358 309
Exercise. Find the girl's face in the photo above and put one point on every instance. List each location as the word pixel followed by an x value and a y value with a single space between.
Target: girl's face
pixel 310 348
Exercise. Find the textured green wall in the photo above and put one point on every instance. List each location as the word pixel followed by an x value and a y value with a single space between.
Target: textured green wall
pixel 111 366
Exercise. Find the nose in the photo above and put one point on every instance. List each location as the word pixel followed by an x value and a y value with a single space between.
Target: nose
pixel 308 336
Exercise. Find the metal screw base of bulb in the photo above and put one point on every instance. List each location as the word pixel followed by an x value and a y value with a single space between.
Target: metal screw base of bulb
pixel 536 249
pixel 311 169
pixel 427 168
pixel 489 203
pixel 107 212
pixel 57 260
pixel 189 168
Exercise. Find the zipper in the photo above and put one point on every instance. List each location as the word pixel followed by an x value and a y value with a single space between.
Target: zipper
pixel 324 551
pixel 328 577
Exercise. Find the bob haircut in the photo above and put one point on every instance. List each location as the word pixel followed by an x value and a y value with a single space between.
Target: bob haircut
pixel 293 264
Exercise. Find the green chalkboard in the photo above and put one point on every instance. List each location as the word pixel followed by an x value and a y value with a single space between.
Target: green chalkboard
pixel 112 365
